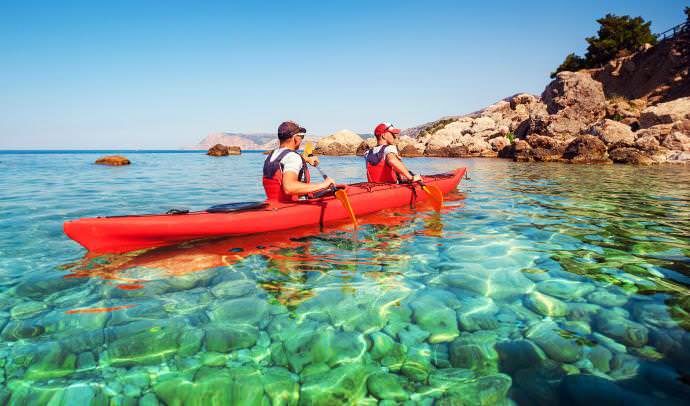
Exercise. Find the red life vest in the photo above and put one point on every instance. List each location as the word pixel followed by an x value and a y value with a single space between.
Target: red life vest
pixel 378 169
pixel 273 177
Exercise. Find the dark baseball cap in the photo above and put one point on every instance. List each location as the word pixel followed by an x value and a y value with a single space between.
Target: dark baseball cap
pixel 289 128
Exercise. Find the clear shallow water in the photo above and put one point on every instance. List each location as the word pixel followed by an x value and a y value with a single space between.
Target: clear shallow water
pixel 539 284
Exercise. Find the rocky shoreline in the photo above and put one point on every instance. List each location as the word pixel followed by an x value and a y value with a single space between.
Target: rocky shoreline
pixel 581 117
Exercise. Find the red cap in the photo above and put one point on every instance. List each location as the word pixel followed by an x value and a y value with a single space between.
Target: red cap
pixel 383 127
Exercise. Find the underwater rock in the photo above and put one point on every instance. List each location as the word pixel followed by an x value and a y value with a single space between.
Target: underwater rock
pixel 607 298
pixel 497 284
pixel 481 359
pixel 440 355
pixel 27 310
pixel 216 389
pixel 582 311
pixel 82 394
pixel 281 386
pixel 565 289
pixel 434 317
pixel 39 289
pixel 381 345
pixel 234 288
pixel 540 384
pixel 624 366
pixel 600 358
pixel 248 310
pixel 591 390
pixel 386 386
pixel 578 327
pixel 519 354
pixel 486 390
pixel 413 335
pixel 344 384
pixel 21 329
pixel 417 364
pixel 545 305
pixel 551 339
pixel 609 343
pixel 52 361
pixel 113 160
pixel 477 313
pixel 149 343
pixel 220 338
pixel 622 330
pixel 653 314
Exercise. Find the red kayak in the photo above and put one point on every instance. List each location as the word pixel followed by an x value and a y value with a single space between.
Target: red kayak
pixel 128 233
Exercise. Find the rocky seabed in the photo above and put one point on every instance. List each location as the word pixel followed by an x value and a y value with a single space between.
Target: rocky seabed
pixel 458 334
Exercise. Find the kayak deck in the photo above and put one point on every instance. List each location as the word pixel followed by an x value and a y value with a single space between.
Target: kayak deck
pixel 128 233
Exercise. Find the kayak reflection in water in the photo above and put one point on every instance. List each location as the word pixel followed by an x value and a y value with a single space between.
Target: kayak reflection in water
pixel 286 175
pixel 383 161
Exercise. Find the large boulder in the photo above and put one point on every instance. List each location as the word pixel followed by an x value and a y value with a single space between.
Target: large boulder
pixel 223 150
pixel 113 160
pixel 666 113
pixel 343 142
pixel 574 101
pixel 586 149
pixel 676 141
pixel 613 133
pixel 366 145
pixel 409 147
pixel 625 155
pixel 539 148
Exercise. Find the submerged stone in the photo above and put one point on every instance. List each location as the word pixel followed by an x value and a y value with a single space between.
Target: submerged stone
pixel 607 298
pixel 27 310
pixel 51 361
pixel 386 386
pixel 249 310
pixel 556 343
pixel 413 335
pixel 622 330
pixel 545 305
pixel 220 338
pixel 497 284
pixel 486 390
pixel 477 314
pixel 344 384
pixel 519 354
pixel 281 386
pixel 565 289
pixel 600 358
pixel 234 288
pixel 434 317
pixel 482 359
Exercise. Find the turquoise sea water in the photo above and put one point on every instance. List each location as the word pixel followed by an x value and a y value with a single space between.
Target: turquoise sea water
pixel 538 284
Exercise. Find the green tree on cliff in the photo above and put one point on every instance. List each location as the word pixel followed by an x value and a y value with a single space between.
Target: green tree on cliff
pixel 616 36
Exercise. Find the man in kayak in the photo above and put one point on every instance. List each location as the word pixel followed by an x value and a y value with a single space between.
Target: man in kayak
pixel 383 161
pixel 286 176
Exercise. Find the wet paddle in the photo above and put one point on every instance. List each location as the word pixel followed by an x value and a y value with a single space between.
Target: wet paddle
pixel 434 193
pixel 339 194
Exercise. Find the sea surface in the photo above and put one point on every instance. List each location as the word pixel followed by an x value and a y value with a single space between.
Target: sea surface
pixel 537 284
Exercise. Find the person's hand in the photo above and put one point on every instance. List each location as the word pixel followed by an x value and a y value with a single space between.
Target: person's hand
pixel 312 160
pixel 328 182
pixel 416 178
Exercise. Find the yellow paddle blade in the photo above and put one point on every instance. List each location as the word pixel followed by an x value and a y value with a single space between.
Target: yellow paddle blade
pixel 435 196
pixel 308 148
pixel 342 196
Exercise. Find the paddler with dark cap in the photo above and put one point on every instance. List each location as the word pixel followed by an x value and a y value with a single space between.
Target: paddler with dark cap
pixel 383 161
pixel 286 175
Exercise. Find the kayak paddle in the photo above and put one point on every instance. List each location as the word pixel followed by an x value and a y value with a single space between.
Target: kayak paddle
pixel 339 194
pixel 434 193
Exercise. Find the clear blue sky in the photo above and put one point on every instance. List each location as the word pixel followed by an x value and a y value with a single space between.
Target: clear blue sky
pixel 152 74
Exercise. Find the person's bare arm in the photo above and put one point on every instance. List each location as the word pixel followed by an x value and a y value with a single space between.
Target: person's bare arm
pixel 292 185
pixel 399 167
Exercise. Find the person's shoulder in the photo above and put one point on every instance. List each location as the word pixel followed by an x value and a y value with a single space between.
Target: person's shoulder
pixel 391 149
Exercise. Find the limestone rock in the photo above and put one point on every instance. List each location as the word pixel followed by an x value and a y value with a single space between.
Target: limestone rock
pixel 622 330
pixel 550 338
pixel 343 142
pixel 539 148
pixel 113 160
pixel 409 147
pixel 586 149
pixel 666 113
pixel 613 133
pixel 676 141
pixel 223 150
pixel 630 156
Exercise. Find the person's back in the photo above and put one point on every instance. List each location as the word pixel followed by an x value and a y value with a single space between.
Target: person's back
pixel 383 161
pixel 285 173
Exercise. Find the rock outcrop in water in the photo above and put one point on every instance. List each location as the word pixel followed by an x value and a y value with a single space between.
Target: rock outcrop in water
pixel 113 160
pixel 343 142
pixel 223 150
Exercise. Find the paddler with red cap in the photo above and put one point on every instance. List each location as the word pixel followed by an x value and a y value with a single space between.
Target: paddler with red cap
pixel 383 161
pixel 286 175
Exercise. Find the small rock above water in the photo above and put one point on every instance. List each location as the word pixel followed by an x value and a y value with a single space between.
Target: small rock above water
pixel 223 150
pixel 113 160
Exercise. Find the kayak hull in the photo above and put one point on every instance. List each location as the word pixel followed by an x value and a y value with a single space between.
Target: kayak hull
pixel 128 233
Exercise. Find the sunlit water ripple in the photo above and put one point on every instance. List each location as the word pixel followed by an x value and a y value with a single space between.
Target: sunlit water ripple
pixel 537 284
